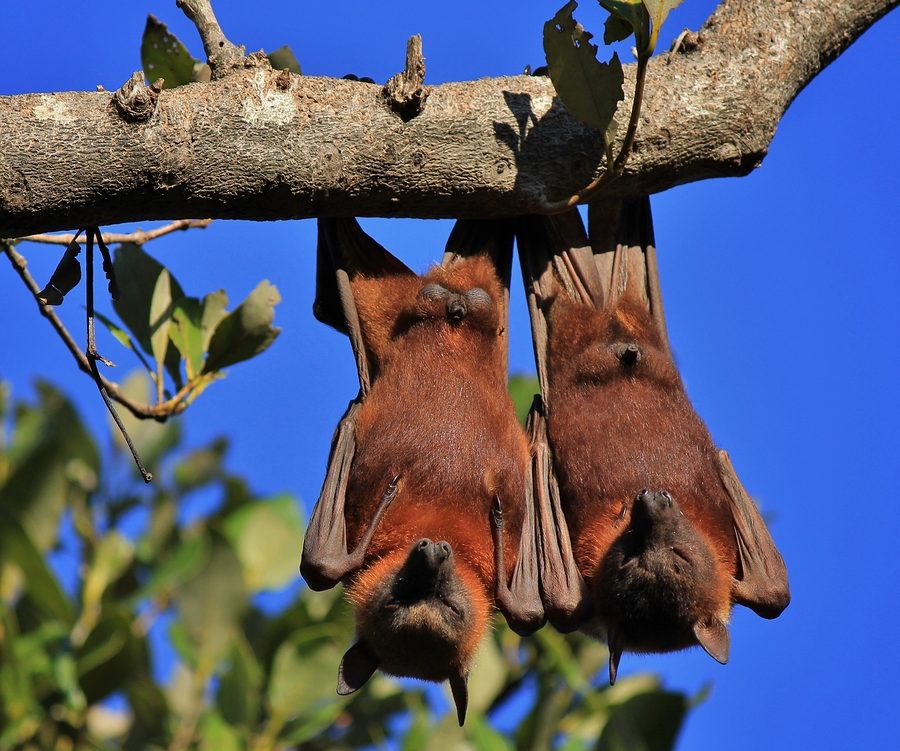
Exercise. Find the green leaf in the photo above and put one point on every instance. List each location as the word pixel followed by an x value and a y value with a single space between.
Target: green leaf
pixel 283 59
pixel 626 17
pixel 238 697
pixel 164 56
pixel 138 273
pixel 211 603
pixel 616 29
pixel 214 305
pixel 646 722
pixel 484 737
pixel 659 11
pixel 246 331
pixel 267 536
pixel 50 451
pixel 16 547
pixel 522 389
pixel 122 336
pixel 187 335
pixel 589 89
pixel 110 656
pixel 201 466
pixel 217 735
pixel 296 686
pixel 189 557
pixel 160 319
pixel 113 554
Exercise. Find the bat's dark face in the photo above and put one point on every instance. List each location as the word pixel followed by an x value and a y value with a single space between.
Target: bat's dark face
pixel 471 307
pixel 420 620
pixel 659 587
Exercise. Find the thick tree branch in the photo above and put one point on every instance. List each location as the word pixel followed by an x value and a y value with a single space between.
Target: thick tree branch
pixel 259 144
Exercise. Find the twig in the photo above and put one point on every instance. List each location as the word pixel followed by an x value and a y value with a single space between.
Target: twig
pixel 159 412
pixel 138 237
pixel 613 168
pixel 92 354
pixel 221 54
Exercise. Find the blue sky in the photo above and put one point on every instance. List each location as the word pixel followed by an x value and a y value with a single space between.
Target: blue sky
pixel 780 292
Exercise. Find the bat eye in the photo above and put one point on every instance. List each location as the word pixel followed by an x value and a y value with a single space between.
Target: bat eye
pixel 433 292
pixel 478 298
pixel 667 495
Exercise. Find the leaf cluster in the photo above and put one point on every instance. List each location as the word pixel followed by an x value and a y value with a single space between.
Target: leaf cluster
pixel 79 661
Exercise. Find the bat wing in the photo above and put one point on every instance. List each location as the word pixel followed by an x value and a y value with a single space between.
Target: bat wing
pixel 556 259
pixel 343 251
pixel 519 600
pixel 762 582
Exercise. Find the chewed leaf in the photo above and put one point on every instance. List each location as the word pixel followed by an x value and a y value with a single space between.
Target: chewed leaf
pixel 590 90
pixel 246 331
pixel 283 59
pixel 164 56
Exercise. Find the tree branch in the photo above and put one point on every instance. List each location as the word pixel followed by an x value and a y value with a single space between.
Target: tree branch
pixel 259 144
pixel 138 237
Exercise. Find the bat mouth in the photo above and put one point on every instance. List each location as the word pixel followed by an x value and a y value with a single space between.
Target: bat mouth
pixel 427 579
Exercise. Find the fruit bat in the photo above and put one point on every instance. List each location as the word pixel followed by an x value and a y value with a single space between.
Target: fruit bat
pixel 425 513
pixel 647 536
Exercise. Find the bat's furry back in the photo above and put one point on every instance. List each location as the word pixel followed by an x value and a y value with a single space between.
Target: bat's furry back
pixel 438 418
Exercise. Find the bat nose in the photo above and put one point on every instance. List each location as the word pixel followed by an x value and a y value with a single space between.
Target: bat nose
pixel 653 502
pixel 431 554
pixel 456 309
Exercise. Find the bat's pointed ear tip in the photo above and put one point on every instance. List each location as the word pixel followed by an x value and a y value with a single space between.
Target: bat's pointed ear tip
pixel 714 639
pixel 460 690
pixel 357 666
pixel 614 656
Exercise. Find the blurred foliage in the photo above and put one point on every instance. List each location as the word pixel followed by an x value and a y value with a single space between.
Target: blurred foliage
pixel 96 569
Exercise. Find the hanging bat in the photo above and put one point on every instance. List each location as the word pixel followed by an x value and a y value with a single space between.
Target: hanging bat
pixel 425 511
pixel 651 536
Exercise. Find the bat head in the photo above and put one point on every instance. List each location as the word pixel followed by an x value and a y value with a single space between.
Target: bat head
pixel 421 616
pixel 660 586
pixel 471 307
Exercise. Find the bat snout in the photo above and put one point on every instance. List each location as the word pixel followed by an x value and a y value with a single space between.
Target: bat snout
pixel 431 554
pixel 650 505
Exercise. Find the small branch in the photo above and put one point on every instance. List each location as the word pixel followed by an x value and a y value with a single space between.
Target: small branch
pixel 93 356
pixel 405 92
pixel 159 412
pixel 138 237
pixel 221 54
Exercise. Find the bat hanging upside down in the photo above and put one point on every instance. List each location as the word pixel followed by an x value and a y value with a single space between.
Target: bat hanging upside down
pixel 425 501
pixel 659 537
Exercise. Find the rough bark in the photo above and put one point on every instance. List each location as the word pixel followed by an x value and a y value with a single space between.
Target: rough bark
pixel 263 144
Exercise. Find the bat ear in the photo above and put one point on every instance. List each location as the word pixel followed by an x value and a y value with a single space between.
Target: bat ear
pixel 460 690
pixel 762 583
pixel 615 654
pixel 713 637
pixel 356 668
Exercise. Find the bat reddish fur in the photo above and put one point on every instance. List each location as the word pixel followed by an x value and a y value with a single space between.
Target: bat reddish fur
pixel 438 416
pixel 617 429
